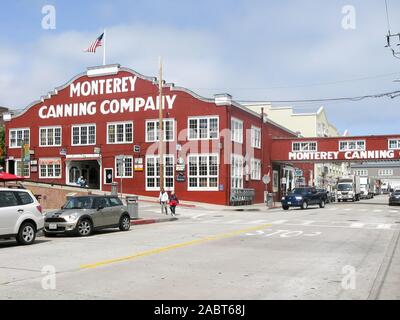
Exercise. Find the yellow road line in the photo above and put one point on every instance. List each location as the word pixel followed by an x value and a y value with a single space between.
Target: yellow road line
pixel 173 246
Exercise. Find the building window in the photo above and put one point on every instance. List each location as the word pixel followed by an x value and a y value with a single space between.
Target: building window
pixel 304 146
pixel 237 171
pixel 18 137
pixel 394 144
pixel 120 132
pixel 204 128
pixel 385 172
pixel 152 127
pixel 23 168
pixel 203 172
pixel 255 169
pixel 123 167
pixel 256 137
pixel 153 172
pixel 361 172
pixel 50 136
pixel 352 145
pixel 84 135
pixel 49 168
pixel 236 130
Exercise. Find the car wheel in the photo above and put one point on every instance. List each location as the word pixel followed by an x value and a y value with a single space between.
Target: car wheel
pixel 304 205
pixel 84 228
pixel 125 223
pixel 322 204
pixel 285 207
pixel 26 234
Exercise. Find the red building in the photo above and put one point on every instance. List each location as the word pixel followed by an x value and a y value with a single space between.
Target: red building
pixel 103 125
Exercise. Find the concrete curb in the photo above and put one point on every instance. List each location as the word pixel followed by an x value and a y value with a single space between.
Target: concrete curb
pixel 153 220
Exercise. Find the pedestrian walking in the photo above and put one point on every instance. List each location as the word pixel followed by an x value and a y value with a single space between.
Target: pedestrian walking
pixel 163 198
pixel 173 202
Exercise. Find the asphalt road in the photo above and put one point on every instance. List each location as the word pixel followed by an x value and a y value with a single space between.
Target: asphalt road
pixel 344 251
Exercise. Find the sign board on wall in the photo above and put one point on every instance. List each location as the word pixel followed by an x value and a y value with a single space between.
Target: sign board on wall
pixel 138 164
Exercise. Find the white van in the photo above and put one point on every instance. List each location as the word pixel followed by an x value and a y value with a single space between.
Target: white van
pixel 20 215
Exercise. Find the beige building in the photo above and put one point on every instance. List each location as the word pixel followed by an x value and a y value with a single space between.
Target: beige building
pixel 308 124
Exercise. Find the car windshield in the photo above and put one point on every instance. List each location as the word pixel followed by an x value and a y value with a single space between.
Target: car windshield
pixel 396 193
pixel 79 203
pixel 300 190
pixel 344 187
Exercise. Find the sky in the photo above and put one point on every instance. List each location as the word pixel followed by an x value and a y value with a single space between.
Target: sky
pixel 254 50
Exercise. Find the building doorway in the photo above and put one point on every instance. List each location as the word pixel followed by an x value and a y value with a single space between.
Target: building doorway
pixel 89 169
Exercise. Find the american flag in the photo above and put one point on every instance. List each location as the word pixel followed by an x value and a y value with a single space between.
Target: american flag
pixel 96 43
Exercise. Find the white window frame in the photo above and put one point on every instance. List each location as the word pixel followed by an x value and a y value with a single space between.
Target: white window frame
pixel 198 128
pixel 47 169
pixel 346 149
pixel 123 168
pixel 397 144
pixel 385 172
pixel 302 145
pixel 155 122
pixel 87 125
pixel 208 176
pixel 16 165
pixel 361 172
pixel 119 123
pixel 23 133
pixel 155 177
pixel 255 169
pixel 237 172
pixel 254 142
pixel 47 136
pixel 236 133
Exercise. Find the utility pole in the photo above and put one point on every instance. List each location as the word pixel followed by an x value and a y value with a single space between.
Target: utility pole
pixel 161 128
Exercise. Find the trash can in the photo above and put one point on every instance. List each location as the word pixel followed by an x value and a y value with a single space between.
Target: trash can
pixel 114 189
pixel 133 206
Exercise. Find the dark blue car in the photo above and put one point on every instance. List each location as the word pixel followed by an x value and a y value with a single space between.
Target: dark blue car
pixel 303 197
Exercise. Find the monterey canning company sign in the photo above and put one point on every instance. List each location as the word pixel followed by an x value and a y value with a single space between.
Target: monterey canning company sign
pixel 99 87
pixel 348 155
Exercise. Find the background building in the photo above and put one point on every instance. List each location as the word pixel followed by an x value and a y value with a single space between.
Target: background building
pixel 308 124
pixel 388 172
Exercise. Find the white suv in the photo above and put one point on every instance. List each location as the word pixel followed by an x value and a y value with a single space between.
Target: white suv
pixel 20 215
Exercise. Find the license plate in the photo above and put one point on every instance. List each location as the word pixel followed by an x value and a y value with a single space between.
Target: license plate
pixel 53 226
pixel 289 202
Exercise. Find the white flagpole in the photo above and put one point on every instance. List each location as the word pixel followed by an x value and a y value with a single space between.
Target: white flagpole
pixel 104 48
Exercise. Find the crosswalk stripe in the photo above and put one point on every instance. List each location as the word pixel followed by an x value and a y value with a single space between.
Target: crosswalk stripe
pixel 394 211
pixel 384 226
pixel 279 221
pixel 378 210
pixel 257 221
pixel 357 225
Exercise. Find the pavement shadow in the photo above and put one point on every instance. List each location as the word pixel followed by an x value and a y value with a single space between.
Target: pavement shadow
pixel 13 243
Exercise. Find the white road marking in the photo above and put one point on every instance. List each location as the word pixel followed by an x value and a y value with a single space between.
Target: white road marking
pixel 199 215
pixel 306 222
pixel 279 221
pixel 357 225
pixel 394 211
pixel 234 221
pixel 378 210
pixel 259 221
pixel 384 226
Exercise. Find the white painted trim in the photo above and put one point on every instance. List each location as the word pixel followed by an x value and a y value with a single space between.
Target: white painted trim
pixel 16 129
pixel 255 128
pixel 53 145
pixel 354 140
pixel 197 176
pixel 103 70
pixel 124 123
pixel 156 156
pixel 16 160
pixel 84 156
pixel 233 119
pixel 104 176
pixel 208 127
pixel 398 144
pixel 116 171
pixel 80 126
pixel 47 177
pixel 156 121
pixel 252 160
pixel 300 141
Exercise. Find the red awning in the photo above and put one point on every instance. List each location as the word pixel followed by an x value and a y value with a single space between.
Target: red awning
pixel 4 177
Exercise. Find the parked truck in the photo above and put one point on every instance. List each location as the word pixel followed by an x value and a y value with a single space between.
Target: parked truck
pixel 368 187
pixel 349 188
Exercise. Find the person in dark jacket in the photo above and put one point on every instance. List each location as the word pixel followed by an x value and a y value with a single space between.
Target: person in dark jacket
pixel 173 202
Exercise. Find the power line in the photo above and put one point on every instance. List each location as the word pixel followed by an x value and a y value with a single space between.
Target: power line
pixel 392 95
